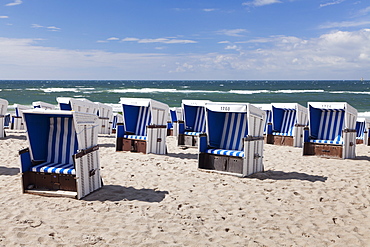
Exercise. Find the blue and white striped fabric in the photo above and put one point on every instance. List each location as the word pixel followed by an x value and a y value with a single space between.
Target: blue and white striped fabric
pixel 226 152
pixel 331 126
pixel 192 133
pixel 135 137
pixel 360 130
pixel 268 120
pixel 62 144
pixel 234 130
pixel 144 119
pixel 288 122
pixel 200 120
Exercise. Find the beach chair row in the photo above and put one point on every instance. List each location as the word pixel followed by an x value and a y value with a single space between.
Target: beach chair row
pixel 107 118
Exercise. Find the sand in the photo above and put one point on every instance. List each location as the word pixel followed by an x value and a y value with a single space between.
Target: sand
pixel 164 200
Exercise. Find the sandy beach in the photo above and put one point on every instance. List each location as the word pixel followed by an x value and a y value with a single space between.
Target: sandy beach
pixel 164 200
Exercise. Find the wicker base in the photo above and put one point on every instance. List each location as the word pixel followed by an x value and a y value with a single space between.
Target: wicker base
pixel 323 150
pixel 279 140
pixel 222 163
pixel 49 181
pixel 187 140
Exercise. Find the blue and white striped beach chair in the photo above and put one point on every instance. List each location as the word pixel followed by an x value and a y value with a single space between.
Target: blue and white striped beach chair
pixel 3 112
pixel 267 108
pixel 144 126
pixel 234 140
pixel 17 118
pixel 174 118
pixel 105 113
pixel 194 122
pixel 116 120
pixel 332 130
pixel 62 158
pixel 362 131
pixel 288 122
pixel 43 105
pixel 77 104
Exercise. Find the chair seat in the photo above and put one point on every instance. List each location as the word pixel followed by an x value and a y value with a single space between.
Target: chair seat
pixel 327 142
pixel 58 168
pixel 192 133
pixel 135 137
pixel 234 153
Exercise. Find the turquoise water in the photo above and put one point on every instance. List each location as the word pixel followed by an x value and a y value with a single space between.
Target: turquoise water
pixel 356 93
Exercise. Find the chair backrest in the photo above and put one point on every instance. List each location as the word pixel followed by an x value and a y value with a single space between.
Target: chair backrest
pixel 62 140
pixel 283 120
pixel 360 128
pixel 194 118
pixel 77 104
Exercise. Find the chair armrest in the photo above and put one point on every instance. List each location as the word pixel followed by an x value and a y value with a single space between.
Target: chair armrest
pixel 120 130
pixel 202 143
pixel 86 151
pixel 306 137
pixel 26 162
pixel 181 127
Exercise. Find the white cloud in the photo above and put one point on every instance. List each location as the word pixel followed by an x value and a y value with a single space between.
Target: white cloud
pixel 364 11
pixel 16 2
pixel 50 28
pixel 160 40
pixel 331 3
pixel 259 3
pixel 232 32
pixel 113 39
pixel 344 24
pixel 4 17
pixel 334 55
pixel 209 10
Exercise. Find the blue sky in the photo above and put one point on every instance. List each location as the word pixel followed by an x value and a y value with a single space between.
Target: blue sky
pixel 185 39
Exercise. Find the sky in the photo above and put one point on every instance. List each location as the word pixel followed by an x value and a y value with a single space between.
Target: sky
pixel 184 39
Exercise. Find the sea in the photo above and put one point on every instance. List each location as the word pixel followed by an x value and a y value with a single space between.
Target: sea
pixel 172 92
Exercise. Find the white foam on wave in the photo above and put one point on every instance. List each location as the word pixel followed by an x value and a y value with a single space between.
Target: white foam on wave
pixel 158 90
pixel 248 91
pixel 350 92
pixel 299 91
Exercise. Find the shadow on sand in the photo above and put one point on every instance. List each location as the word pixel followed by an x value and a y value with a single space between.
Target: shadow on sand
pixel 280 175
pixel 10 171
pixel 118 193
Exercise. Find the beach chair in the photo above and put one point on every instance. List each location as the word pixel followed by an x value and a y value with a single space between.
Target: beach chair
pixel 62 158
pixel 77 104
pixel 362 131
pixel 331 131
pixel 17 119
pixel 144 126
pixel 234 141
pixel 105 113
pixel 7 121
pixel 267 108
pixel 3 112
pixel 194 122
pixel 288 122
pixel 43 105
pixel 172 124
pixel 116 120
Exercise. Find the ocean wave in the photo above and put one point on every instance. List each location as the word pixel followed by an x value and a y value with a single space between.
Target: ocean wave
pixel 159 90
pixel 249 91
pixel 287 91
pixel 349 92
pixel 62 89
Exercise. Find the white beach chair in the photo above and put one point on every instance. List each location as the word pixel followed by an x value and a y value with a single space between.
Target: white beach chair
pixel 288 121
pixel 145 126
pixel 234 142
pixel 105 114
pixel 362 131
pixel 267 108
pixel 3 112
pixel 193 124
pixel 17 119
pixel 332 130
pixel 77 104
pixel 43 105
pixel 63 157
